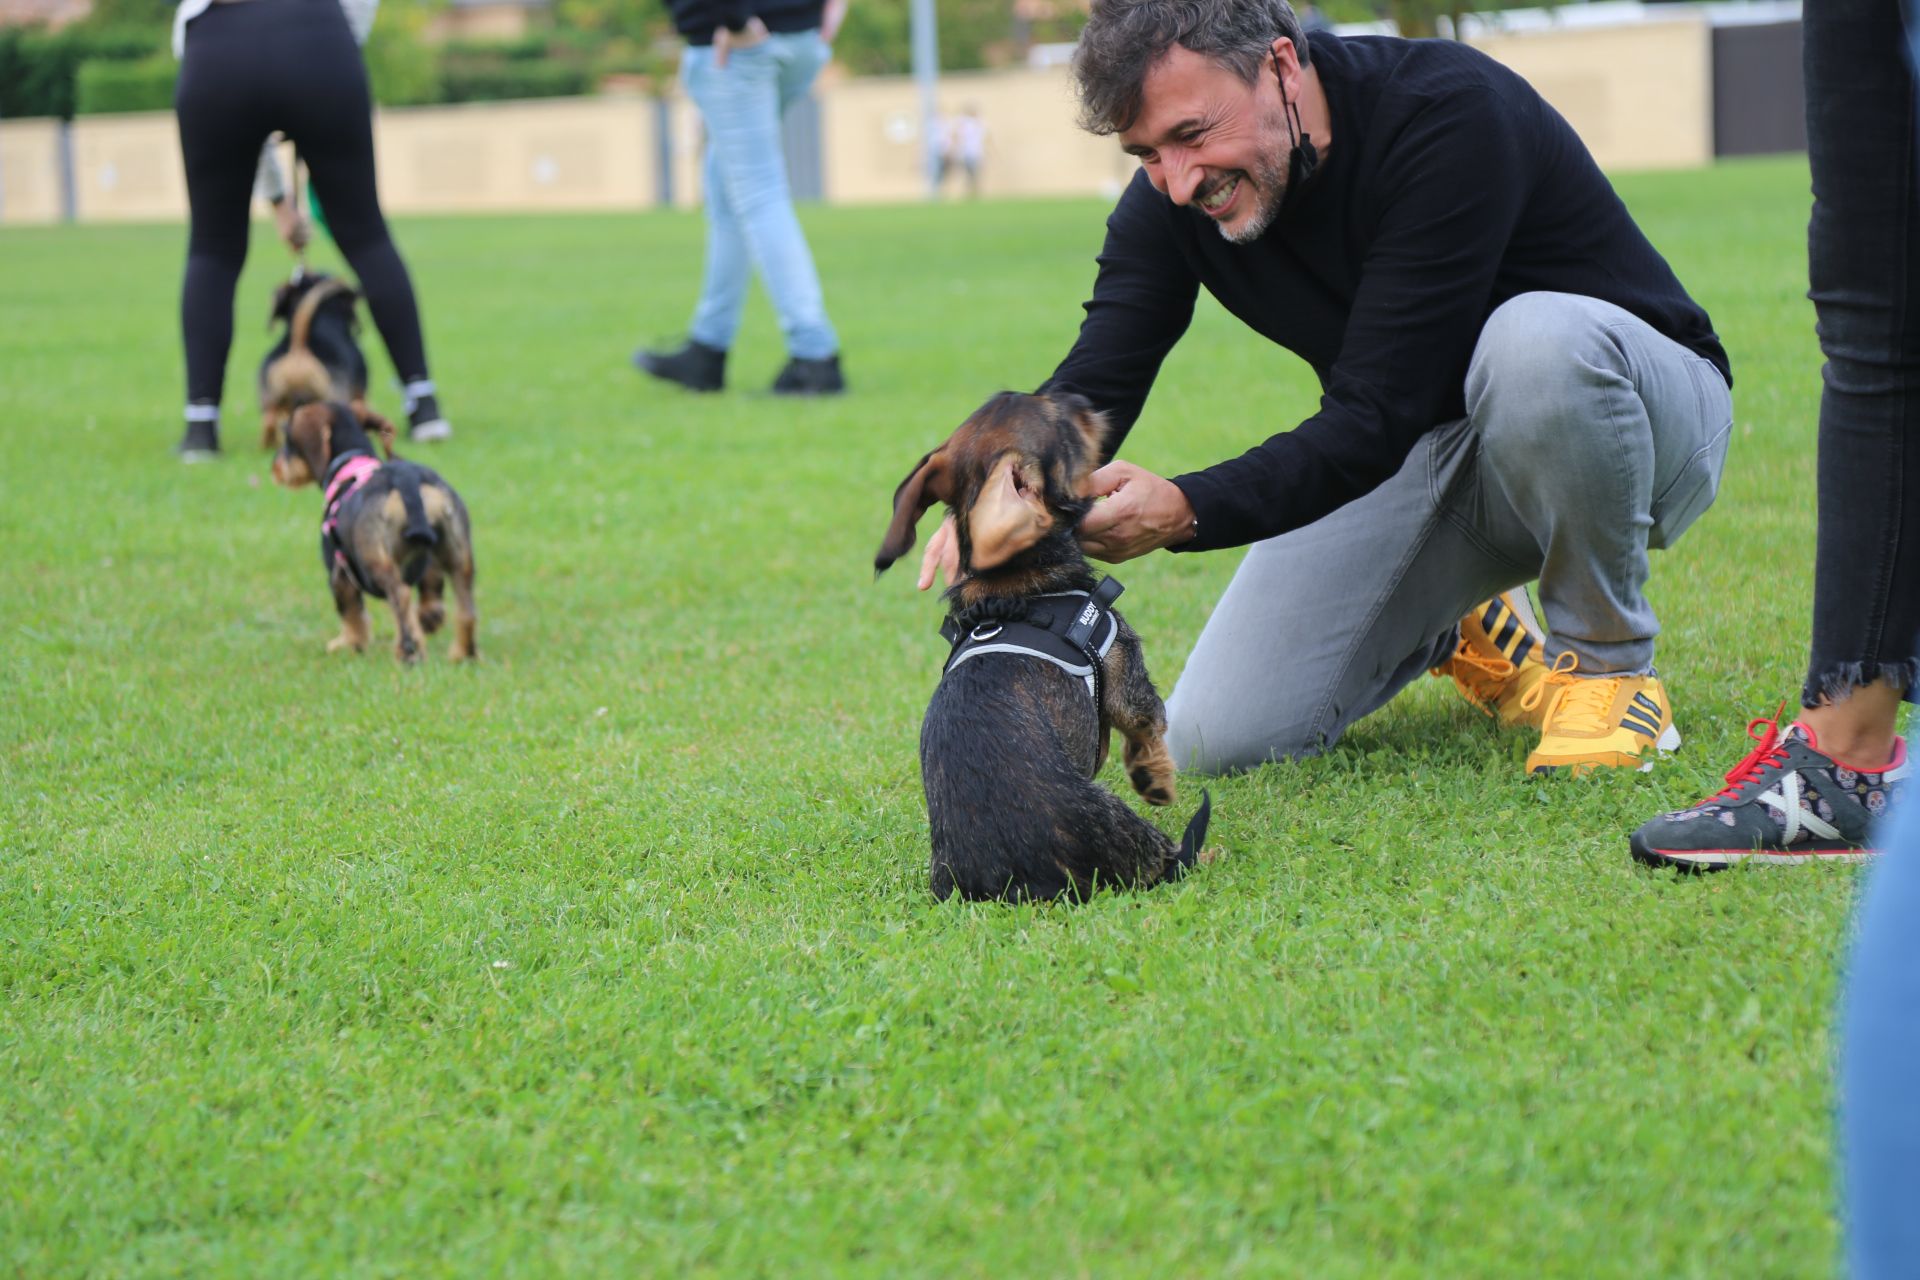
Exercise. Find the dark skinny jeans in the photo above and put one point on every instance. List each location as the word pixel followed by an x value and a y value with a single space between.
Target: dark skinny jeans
pixel 252 68
pixel 1864 265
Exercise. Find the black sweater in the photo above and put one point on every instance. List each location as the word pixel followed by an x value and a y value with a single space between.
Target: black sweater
pixel 1450 187
pixel 696 20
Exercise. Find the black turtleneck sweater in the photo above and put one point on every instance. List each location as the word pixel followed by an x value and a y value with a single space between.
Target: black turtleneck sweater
pixel 696 20
pixel 1449 187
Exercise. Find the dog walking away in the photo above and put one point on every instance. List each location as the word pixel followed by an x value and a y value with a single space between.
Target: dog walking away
pixel 1042 669
pixel 317 358
pixel 392 530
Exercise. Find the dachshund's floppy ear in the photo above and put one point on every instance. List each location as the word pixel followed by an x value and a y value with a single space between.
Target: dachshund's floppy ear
pixel 282 305
pixel 1009 516
pixel 1089 424
pixel 308 448
pixel 929 482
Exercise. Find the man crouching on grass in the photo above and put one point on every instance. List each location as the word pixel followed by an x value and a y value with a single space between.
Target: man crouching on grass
pixel 1515 384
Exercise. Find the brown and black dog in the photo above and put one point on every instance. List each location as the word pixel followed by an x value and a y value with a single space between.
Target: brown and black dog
pixel 393 530
pixel 317 358
pixel 1041 673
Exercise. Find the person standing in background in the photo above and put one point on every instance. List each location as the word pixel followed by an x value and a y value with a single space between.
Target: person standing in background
pixel 250 68
pixel 746 63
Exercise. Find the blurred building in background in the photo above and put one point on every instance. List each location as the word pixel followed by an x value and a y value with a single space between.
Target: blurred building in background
pixel 1648 86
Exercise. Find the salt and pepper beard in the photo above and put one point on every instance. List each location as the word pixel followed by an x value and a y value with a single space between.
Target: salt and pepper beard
pixel 1268 180
pixel 1272 185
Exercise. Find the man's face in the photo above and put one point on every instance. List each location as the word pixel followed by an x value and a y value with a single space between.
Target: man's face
pixel 1209 139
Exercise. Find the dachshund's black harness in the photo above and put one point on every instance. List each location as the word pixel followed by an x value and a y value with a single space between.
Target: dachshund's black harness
pixel 1071 629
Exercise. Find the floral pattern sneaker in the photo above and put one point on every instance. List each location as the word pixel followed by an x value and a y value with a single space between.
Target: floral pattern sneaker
pixel 1787 802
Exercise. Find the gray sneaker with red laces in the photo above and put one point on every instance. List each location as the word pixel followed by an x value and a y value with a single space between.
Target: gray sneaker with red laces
pixel 1787 802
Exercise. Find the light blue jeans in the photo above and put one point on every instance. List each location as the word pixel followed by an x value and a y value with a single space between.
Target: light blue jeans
pixel 1589 438
pixel 751 225
pixel 1880 1064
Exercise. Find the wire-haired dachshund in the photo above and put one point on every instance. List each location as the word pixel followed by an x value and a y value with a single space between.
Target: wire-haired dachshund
pixel 392 530
pixel 316 358
pixel 1041 671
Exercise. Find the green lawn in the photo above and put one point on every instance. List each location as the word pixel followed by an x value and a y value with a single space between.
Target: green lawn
pixel 613 954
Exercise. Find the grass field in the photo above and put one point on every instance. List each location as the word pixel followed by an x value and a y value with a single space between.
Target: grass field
pixel 613 954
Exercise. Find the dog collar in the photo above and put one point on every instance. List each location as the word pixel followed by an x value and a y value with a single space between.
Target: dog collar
pixel 1071 629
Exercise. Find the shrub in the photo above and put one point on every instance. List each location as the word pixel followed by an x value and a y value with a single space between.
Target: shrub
pixel 103 85
pixel 509 80
pixel 39 69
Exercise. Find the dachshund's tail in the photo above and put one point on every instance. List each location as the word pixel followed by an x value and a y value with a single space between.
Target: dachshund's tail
pixel 419 531
pixel 302 323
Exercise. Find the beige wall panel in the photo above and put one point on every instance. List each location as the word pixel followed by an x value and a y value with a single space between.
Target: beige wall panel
pixel 1640 97
pixel 566 153
pixel 29 172
pixel 875 151
pixel 127 168
pixel 689 149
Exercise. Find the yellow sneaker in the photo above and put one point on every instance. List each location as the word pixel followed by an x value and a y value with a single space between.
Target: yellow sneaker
pixel 1599 722
pixel 1497 664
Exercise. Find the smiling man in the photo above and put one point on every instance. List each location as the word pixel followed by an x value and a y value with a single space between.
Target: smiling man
pixel 1515 386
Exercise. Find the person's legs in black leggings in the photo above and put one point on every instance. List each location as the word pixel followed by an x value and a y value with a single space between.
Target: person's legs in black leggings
pixel 221 132
pixel 251 69
pixel 334 134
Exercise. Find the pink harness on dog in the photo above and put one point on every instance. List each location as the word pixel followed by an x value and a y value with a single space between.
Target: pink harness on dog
pixel 345 481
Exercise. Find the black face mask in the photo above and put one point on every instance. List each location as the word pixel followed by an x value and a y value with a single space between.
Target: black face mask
pixel 1304 160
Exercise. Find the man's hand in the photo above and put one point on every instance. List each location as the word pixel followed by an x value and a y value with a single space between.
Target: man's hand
pixel 1141 513
pixel 831 17
pixel 942 555
pixel 725 41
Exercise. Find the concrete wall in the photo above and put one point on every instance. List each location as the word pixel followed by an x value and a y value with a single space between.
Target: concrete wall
pixel 875 149
pixel 1640 95
pixel 30 171
pixel 127 168
pixel 566 153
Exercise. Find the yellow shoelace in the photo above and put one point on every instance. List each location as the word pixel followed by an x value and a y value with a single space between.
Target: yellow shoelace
pixel 1585 705
pixel 1493 672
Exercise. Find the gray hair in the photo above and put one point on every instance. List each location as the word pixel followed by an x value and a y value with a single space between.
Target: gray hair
pixel 1123 39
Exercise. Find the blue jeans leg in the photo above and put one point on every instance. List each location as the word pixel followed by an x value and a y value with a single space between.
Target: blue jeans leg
pixel 1879 1059
pixel 750 217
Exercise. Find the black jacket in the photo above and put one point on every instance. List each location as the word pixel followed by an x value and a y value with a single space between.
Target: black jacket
pixel 1450 187
pixel 696 19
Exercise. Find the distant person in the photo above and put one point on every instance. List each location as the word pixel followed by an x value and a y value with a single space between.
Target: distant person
pixel 249 68
pixel 969 147
pixel 746 63
pixel 1816 790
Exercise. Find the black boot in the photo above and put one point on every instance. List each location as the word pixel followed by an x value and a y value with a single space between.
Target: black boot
pixel 695 366
pixel 810 378
pixel 201 443
pixel 424 419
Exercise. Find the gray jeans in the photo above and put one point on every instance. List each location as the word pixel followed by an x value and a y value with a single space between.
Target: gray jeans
pixel 1589 438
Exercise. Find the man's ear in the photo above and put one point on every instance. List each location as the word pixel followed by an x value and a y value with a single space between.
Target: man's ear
pixel 929 482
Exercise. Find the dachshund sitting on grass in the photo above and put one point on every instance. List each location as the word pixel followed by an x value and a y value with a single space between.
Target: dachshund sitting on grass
pixel 1042 670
